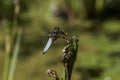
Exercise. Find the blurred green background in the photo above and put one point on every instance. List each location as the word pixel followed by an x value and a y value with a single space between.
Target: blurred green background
pixel 97 22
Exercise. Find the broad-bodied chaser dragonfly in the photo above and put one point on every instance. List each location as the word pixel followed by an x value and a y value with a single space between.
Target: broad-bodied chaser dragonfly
pixel 53 36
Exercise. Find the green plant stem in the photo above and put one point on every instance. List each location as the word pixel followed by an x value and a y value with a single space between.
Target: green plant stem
pixel 64 75
pixel 7 56
pixel 15 56
pixel 6 66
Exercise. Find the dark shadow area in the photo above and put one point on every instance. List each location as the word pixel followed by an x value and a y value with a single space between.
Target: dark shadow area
pixel 88 73
pixel 113 36
pixel 111 10
pixel 62 13
pixel 24 5
pixel 114 55
pixel 6 10
pixel 90 8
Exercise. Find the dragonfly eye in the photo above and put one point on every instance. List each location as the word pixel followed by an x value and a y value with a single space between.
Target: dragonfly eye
pixel 56 29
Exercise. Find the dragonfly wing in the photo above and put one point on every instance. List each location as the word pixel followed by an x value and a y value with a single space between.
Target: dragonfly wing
pixel 50 40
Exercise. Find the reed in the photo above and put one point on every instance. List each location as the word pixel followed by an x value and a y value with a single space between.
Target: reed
pixel 11 46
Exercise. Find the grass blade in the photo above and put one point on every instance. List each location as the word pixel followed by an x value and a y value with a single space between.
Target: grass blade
pixel 15 56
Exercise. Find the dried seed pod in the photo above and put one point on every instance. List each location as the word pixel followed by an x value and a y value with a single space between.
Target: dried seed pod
pixel 70 54
pixel 53 73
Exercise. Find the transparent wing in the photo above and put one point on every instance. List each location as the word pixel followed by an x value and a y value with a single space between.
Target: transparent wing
pixel 50 40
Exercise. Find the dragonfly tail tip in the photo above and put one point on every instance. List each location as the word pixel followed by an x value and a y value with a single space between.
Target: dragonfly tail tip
pixel 43 53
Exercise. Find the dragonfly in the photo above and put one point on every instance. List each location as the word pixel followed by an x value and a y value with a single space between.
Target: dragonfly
pixel 55 34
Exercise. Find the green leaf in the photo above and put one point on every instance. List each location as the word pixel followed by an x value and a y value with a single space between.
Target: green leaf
pixel 64 74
